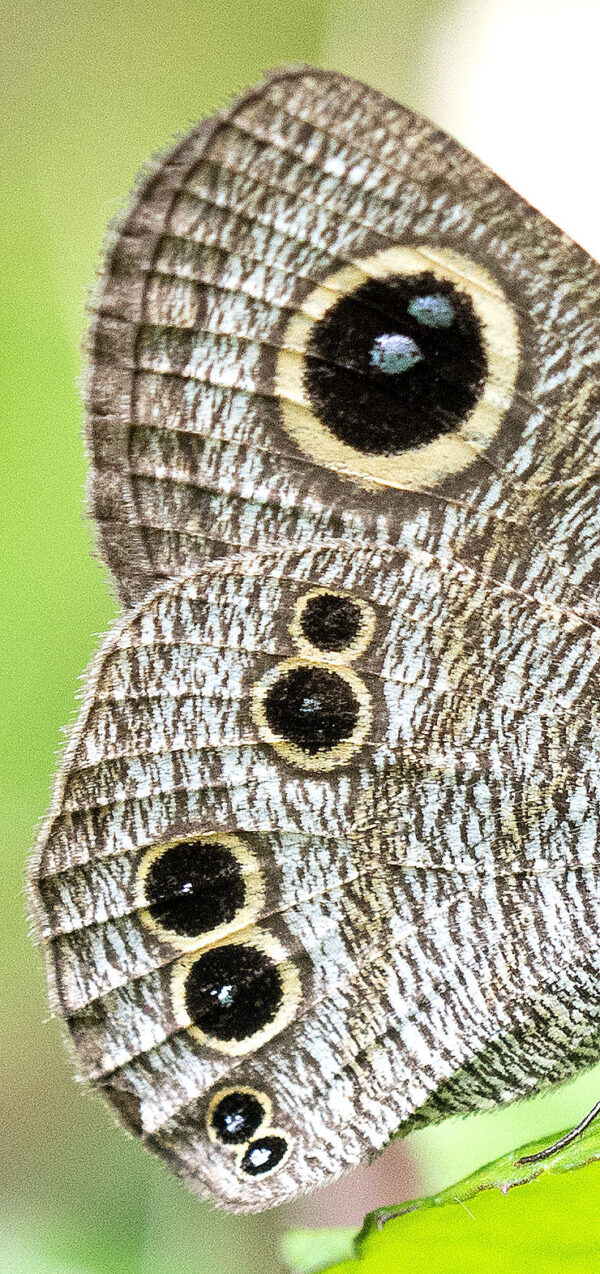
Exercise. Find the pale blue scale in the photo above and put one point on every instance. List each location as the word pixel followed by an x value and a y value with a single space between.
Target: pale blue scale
pixel 393 353
pixel 432 311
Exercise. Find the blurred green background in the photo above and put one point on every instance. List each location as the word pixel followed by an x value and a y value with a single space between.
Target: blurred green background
pixel 88 91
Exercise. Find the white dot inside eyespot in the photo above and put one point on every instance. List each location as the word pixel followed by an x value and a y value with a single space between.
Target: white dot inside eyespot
pixel 392 353
pixel 259 1156
pixel 435 310
pixel 234 1123
pixel 224 994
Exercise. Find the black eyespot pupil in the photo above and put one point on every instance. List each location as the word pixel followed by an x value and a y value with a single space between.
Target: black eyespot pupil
pixel 194 886
pixel 233 991
pixel 312 707
pixel 236 1117
pixel 396 363
pixel 329 622
pixel 263 1154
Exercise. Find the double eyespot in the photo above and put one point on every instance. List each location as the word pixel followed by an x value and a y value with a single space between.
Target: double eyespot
pixel 315 710
pixel 236 987
pixel 399 368
pixel 240 1118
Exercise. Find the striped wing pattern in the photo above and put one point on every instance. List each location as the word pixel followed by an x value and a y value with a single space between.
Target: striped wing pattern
pixel 322 858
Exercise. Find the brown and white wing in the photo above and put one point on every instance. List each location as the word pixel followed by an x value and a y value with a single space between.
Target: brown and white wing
pixel 322 860
pixel 320 864
pixel 246 386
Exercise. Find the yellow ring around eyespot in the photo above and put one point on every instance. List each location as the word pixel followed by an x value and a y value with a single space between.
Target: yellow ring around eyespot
pixel 425 465
pixel 333 657
pixel 329 758
pixel 263 1100
pixel 291 990
pixel 253 885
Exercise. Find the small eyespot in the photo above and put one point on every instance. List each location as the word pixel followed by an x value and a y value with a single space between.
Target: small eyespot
pixel 312 707
pixel 235 1115
pixel 316 716
pixel 194 887
pixel 266 1153
pixel 232 992
pixel 199 886
pixel 332 624
pixel 236 995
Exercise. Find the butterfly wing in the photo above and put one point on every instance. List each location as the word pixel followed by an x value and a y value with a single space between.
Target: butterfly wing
pixel 311 871
pixel 322 857
pixel 233 400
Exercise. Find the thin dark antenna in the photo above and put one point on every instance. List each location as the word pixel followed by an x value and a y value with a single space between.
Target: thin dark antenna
pixel 564 1141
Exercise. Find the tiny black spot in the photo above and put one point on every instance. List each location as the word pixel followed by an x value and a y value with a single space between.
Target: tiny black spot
pixel 312 707
pixel 236 1117
pixel 263 1154
pixel 233 991
pixel 194 887
pixel 396 363
pixel 329 622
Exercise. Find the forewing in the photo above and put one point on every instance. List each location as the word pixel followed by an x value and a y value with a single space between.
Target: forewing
pixel 211 428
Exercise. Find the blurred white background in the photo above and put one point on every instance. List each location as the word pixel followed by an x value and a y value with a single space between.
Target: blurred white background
pixel 517 81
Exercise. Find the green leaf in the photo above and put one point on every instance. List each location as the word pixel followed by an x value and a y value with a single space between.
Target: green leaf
pixel 481 1225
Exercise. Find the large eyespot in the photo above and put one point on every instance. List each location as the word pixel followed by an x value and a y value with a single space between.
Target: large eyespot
pixel 314 715
pixel 238 994
pixel 399 369
pixel 267 1152
pixel 332 624
pixel 199 887
pixel 234 1115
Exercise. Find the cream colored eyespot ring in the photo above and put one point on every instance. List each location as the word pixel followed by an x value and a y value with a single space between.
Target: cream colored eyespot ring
pixel 326 758
pixel 291 991
pixel 231 1091
pixel 334 657
pixel 254 891
pixel 429 463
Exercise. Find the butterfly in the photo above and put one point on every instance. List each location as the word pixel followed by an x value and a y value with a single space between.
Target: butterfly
pixel 322 860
